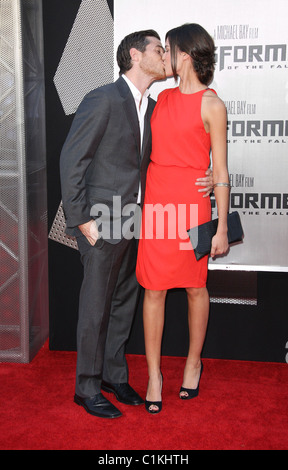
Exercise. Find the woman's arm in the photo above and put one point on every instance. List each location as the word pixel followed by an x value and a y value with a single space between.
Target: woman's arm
pixel 215 122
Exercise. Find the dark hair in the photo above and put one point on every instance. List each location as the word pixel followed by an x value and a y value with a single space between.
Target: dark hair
pixel 195 41
pixel 139 40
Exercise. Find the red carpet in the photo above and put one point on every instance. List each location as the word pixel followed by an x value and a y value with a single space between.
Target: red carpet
pixel 241 406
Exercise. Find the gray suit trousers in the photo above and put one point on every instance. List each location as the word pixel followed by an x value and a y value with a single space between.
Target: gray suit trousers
pixel 107 303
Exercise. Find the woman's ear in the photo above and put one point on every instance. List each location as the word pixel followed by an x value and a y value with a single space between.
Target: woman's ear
pixel 185 56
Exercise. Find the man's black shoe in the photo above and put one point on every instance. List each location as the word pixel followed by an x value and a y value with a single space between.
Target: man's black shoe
pixel 123 392
pixel 98 406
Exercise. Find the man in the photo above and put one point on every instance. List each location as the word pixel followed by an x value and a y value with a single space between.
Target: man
pixel 105 159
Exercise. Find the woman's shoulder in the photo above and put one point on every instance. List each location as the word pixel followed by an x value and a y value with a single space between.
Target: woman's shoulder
pixel 212 101
pixel 165 92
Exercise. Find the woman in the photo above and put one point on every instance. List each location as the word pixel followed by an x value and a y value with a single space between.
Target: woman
pixel 188 122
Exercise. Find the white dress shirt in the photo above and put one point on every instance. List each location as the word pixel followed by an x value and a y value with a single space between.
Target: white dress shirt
pixel 141 103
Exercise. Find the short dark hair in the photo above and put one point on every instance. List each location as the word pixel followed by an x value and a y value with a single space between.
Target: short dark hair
pixel 139 40
pixel 195 41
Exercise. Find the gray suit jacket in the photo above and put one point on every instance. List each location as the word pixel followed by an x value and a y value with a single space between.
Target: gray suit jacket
pixel 101 162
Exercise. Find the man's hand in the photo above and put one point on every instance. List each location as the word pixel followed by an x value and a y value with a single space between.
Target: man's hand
pixel 90 230
pixel 206 182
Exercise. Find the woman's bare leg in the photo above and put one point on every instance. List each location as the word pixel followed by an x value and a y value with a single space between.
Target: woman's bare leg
pixel 198 314
pixel 153 320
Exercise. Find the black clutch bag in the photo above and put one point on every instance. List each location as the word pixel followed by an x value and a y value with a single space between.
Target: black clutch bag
pixel 201 236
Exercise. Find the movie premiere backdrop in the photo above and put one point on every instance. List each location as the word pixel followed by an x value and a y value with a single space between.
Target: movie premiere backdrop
pixel 251 77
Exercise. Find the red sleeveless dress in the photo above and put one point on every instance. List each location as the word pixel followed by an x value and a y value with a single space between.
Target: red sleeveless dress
pixel 180 155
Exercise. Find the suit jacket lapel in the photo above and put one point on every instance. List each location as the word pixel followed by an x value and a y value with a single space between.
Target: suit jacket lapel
pixel 147 127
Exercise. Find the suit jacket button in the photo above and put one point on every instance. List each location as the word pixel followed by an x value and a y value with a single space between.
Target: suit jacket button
pixel 135 194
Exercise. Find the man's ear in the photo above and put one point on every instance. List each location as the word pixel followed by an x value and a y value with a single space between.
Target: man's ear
pixel 134 54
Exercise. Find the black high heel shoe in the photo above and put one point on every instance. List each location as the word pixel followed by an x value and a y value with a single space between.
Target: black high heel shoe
pixel 148 404
pixel 191 392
